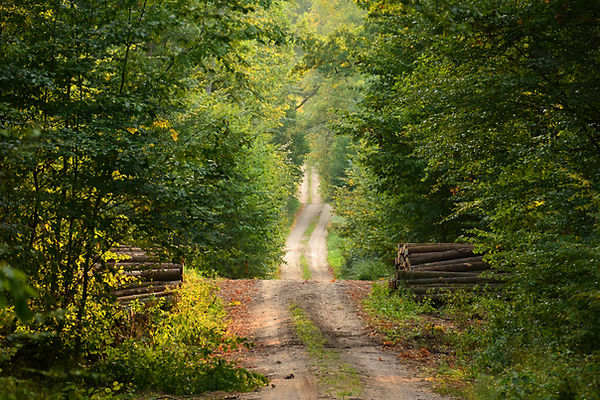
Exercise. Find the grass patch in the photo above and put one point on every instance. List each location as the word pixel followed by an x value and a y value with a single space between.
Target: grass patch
pixel 309 184
pixel 310 229
pixel 305 270
pixel 459 345
pixel 368 270
pixel 338 378
pixel 293 205
pixel 398 316
pixel 335 259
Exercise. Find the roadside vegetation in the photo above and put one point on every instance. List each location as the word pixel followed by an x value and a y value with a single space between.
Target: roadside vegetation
pixel 459 344
pixel 309 184
pixel 164 346
pixel 182 126
pixel 335 260
pixel 164 125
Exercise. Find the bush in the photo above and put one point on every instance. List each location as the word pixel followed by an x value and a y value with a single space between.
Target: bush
pixel 335 258
pixel 182 351
pixel 370 270
pixel 174 347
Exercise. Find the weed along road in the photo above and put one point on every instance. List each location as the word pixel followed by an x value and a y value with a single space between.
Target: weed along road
pixel 310 341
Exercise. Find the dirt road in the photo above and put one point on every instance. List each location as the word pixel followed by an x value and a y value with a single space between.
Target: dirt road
pixel 349 364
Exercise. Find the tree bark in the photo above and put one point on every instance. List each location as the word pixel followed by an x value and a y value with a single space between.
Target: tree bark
pixel 438 256
pixel 153 287
pixel 164 274
pixel 456 267
pixel 413 248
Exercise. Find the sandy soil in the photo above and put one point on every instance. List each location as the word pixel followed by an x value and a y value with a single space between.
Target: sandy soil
pixel 282 357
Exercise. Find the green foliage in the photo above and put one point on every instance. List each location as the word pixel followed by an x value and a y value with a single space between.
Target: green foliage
pixel 293 205
pixel 479 120
pixel 13 289
pixel 324 27
pixel 239 219
pixel 343 259
pixel 180 352
pixel 370 270
pixel 399 306
pixel 368 224
pixel 157 123
pixel 398 314
pixel 17 389
pixel 177 349
pixel 91 110
pixel 484 360
pixel 335 259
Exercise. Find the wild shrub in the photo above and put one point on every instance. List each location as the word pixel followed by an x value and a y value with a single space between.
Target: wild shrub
pixel 181 351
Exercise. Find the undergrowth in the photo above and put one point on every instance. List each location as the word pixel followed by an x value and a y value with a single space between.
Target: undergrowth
pixel 293 205
pixel 473 353
pixel 343 265
pixel 335 259
pixel 175 349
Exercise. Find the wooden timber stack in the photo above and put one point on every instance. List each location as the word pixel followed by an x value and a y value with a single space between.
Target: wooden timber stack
pixel 154 278
pixel 433 269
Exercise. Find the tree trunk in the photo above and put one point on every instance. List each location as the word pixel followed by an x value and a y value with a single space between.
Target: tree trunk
pixel 164 274
pixel 152 288
pixel 456 267
pixel 439 256
pixel 413 248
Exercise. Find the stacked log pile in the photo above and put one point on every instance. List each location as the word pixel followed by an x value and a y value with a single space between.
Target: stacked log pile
pixel 153 277
pixel 434 269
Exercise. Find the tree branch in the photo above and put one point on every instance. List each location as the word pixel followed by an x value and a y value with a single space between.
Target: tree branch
pixel 310 95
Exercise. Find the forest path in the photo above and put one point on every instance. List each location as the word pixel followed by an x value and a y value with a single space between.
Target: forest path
pixel 349 364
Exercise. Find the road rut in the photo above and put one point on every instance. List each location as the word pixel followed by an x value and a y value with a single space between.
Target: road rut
pixel 282 356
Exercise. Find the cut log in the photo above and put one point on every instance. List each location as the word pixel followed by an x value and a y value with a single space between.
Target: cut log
pixel 145 289
pixel 438 256
pixel 143 266
pixel 458 267
pixel 450 262
pixel 135 257
pixel 144 296
pixel 441 268
pixel 413 248
pixel 142 284
pixel 164 274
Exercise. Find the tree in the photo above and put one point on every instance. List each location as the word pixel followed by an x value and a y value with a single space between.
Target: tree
pixel 482 116
pixel 89 95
